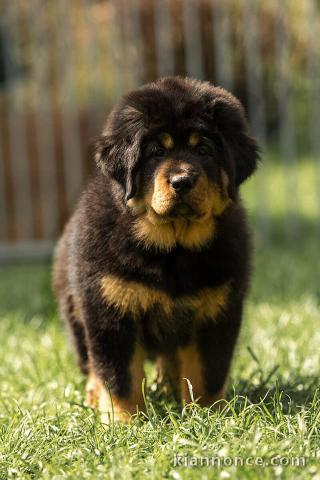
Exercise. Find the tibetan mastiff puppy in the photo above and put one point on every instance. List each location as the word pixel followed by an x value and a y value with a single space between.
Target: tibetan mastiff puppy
pixel 154 263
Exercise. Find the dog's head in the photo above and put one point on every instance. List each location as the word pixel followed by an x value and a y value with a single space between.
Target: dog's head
pixel 179 148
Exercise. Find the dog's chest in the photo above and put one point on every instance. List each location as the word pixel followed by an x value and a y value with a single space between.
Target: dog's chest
pixel 139 299
pixel 161 332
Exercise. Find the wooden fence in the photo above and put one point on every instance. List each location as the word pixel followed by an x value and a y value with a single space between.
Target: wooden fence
pixel 63 64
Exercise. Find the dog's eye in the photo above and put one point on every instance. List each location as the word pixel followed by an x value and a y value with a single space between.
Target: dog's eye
pixel 205 149
pixel 159 152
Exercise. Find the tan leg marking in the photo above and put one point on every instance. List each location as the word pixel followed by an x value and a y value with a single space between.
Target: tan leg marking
pixel 112 406
pixel 168 367
pixel 191 369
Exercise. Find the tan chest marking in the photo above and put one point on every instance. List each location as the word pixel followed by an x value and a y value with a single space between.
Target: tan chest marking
pixel 136 299
pixel 132 297
pixel 190 235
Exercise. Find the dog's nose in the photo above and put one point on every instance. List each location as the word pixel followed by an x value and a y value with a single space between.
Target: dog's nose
pixel 182 183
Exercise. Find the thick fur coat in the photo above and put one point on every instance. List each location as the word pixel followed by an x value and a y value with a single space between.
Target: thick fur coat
pixel 154 263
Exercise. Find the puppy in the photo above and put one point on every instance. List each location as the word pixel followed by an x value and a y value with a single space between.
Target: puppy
pixel 154 262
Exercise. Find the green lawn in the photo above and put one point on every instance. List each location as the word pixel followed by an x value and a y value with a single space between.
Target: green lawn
pixel 273 406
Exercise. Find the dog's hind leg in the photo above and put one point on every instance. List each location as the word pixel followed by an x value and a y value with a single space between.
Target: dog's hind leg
pixel 69 307
pixel 70 314
pixel 77 332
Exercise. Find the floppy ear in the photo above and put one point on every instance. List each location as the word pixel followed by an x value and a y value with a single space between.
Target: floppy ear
pixel 245 153
pixel 118 149
pixel 119 161
pixel 231 125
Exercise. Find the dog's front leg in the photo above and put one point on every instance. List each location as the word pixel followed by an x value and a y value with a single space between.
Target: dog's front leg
pixel 115 362
pixel 206 362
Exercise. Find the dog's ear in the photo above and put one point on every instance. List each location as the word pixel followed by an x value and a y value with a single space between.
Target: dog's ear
pixel 230 123
pixel 119 147
pixel 245 153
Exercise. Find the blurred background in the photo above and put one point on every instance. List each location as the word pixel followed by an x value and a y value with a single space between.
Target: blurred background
pixel 63 65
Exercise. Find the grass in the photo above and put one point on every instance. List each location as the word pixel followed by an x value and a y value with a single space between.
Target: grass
pixel 272 408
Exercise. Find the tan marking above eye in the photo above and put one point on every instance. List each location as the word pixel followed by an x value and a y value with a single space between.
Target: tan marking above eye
pixel 166 141
pixel 194 139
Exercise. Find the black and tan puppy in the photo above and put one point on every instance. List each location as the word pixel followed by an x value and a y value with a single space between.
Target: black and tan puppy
pixel 154 262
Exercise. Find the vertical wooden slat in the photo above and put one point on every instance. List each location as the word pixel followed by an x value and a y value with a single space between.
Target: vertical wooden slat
pixel 30 123
pixel 133 43
pixel 253 70
pixel 84 61
pixel 285 117
pixel 10 215
pixel 20 173
pixel 3 202
pixel 53 120
pixel 17 132
pixel 207 42
pixel 121 45
pixel 223 53
pixel 164 40
pixel 97 57
pixel 256 103
pixel 63 210
pixel 37 213
pixel 149 52
pixel 135 40
pixel 42 124
pixel 192 29
pixel 311 12
pixel 72 155
pixel 50 183
pixel 69 112
pixel 115 49
pixel 82 80
pixel 85 125
pixel 176 10
pixel 3 199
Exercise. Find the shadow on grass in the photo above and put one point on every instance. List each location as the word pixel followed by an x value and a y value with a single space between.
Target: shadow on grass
pixel 282 398
pixel 297 393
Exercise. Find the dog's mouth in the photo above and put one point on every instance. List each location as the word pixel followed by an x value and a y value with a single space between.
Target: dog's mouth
pixel 180 210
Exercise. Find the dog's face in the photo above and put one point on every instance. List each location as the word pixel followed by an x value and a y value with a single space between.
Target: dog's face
pixel 181 177
pixel 180 149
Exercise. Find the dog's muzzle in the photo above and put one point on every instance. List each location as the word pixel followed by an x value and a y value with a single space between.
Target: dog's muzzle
pixel 182 183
